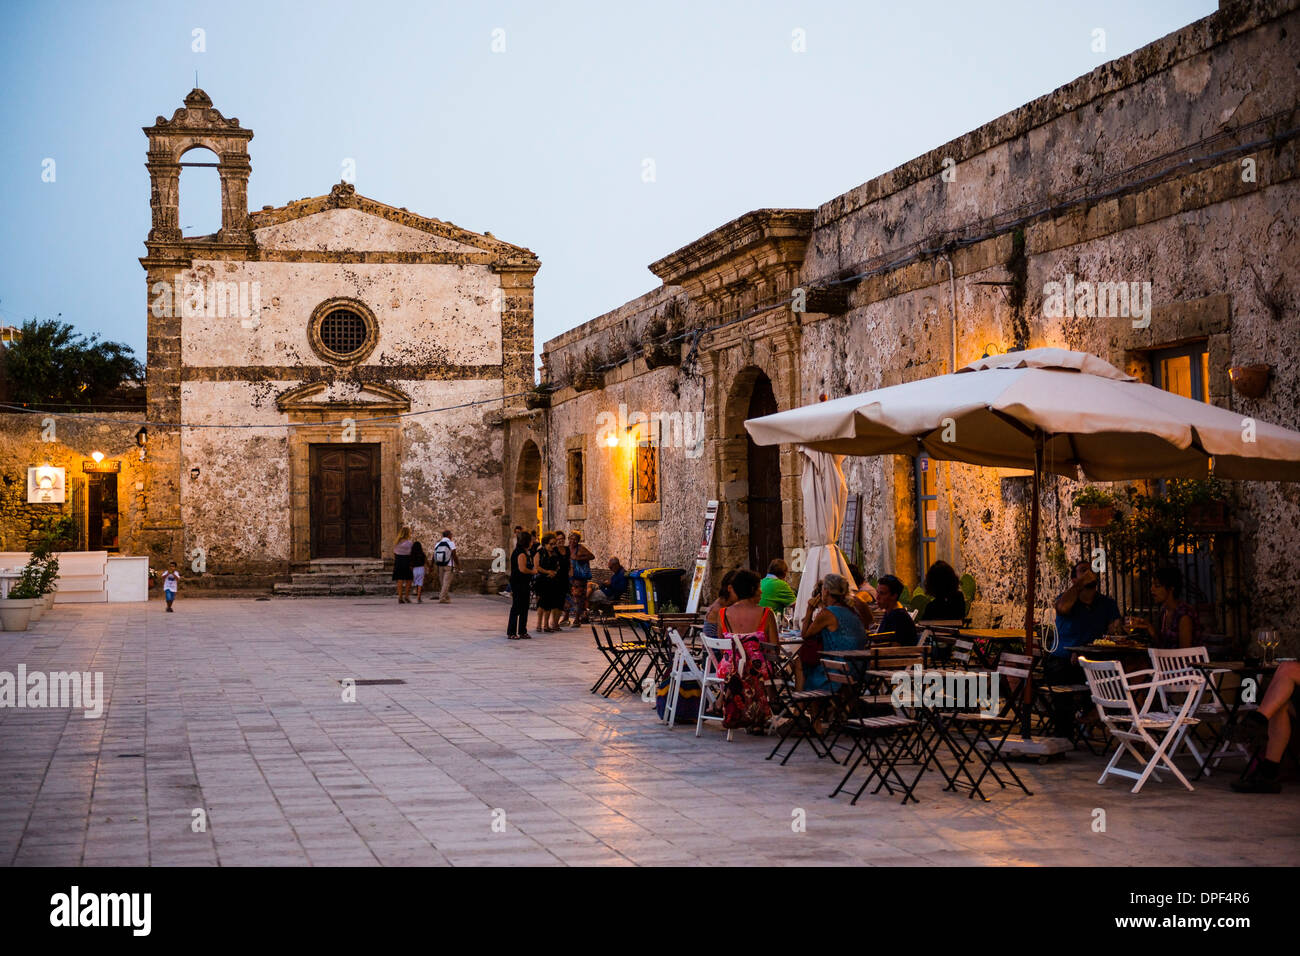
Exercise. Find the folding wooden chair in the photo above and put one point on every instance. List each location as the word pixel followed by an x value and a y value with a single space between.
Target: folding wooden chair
pixel 1208 707
pixel 684 667
pixel 711 685
pixel 623 657
pixel 989 731
pixel 1133 726
pixel 797 706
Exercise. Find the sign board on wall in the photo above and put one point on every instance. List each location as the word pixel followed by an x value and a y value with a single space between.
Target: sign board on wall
pixel 702 557
pixel 45 485
pixel 109 466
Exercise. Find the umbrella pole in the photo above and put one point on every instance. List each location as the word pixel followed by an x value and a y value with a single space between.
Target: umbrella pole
pixel 1031 591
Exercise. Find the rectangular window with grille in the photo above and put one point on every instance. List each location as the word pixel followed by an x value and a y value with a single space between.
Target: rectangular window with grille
pixel 575 476
pixel 647 473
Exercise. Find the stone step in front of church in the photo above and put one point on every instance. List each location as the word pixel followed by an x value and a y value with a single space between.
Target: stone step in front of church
pixel 344 577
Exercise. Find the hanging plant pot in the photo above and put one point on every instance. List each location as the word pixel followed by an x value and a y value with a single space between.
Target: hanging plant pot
pixel 1096 516
pixel 1208 515
pixel 538 399
pixel 663 355
pixel 586 381
pixel 1249 381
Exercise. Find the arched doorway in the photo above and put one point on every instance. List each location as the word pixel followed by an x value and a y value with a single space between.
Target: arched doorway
pixel 526 507
pixel 751 478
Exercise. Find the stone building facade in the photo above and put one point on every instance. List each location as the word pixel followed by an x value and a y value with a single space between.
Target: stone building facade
pixel 1173 168
pixel 318 375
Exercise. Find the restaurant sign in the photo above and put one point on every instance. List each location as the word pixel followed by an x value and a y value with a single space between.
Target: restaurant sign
pixel 111 466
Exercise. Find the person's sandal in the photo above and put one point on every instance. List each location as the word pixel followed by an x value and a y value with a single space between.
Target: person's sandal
pixel 525 637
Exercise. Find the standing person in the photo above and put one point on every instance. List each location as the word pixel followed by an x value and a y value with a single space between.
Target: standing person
pixel 562 580
pixel 444 558
pixel 550 589
pixel 534 546
pixel 402 565
pixel 521 578
pixel 514 538
pixel 418 562
pixel 171 581
pixel 580 558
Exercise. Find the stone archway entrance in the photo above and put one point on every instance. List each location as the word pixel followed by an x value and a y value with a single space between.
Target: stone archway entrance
pixel 526 507
pixel 752 534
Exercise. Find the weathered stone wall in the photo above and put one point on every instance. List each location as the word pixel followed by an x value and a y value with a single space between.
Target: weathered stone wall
pixel 1217 248
pixel 22 447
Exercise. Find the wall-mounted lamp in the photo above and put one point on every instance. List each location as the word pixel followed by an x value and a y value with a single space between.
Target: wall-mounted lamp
pixel 611 441
pixel 98 456
pixel 990 350
pixel 142 439
pixel 194 473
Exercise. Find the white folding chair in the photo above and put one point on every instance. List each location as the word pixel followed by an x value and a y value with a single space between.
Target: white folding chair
pixel 710 682
pixel 1167 663
pixel 1132 726
pixel 684 668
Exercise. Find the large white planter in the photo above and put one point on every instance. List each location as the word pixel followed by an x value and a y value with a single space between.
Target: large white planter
pixel 38 609
pixel 16 613
pixel 49 601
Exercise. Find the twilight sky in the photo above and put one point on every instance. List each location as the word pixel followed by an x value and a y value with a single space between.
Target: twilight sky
pixel 543 143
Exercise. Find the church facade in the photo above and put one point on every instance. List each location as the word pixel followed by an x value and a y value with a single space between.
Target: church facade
pixel 320 373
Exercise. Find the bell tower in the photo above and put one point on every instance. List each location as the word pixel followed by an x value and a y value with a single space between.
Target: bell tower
pixel 197 124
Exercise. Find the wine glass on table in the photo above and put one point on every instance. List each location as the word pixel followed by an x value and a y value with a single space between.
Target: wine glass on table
pixel 1269 641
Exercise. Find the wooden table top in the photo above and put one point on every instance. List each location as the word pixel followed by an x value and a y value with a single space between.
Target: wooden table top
pixel 636 616
pixel 995 634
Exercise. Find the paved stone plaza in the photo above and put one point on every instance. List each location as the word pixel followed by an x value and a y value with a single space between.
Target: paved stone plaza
pixel 233 706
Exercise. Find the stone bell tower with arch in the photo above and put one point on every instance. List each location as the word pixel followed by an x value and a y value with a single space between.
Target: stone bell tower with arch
pixel 196 125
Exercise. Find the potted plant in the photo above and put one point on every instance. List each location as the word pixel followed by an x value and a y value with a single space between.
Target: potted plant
pixel 1096 507
pixel 43 557
pixel 661 349
pixel 16 611
pixel 589 373
pixel 540 396
pixel 1203 502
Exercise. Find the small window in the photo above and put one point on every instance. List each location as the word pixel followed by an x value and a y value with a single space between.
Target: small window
pixel 343 331
pixel 1184 370
pixel 647 473
pixel 574 472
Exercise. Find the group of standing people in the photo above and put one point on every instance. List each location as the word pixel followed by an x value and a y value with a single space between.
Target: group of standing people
pixel 557 568
pixel 410 563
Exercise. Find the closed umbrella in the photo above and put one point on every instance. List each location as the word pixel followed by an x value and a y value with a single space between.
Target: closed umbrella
pixel 825 498
pixel 1043 408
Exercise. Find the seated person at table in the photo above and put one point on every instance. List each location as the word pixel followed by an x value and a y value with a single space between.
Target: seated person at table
pixel 838 626
pixel 1179 625
pixel 710 626
pixel 605 596
pixel 896 625
pixel 1082 616
pixel 1276 710
pixel 943 586
pixel 774 591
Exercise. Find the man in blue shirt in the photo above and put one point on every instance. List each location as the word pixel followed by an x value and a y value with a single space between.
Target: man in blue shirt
pixel 1083 614
pixel 609 594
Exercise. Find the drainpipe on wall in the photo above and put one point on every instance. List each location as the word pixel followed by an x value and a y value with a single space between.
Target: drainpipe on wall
pixel 952 313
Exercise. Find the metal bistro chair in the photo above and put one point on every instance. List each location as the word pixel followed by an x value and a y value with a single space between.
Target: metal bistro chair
pixel 990 730
pixel 880 741
pixel 623 657
pixel 1135 727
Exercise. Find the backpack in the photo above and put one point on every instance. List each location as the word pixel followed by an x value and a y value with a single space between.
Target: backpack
pixel 442 553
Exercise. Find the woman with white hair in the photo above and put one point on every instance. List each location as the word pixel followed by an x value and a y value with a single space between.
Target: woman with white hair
pixel 832 623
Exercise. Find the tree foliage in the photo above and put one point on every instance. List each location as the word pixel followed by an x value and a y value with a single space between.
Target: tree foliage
pixel 54 364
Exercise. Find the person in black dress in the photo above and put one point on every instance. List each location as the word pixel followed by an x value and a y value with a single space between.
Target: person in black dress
pixel 521 578
pixel 550 593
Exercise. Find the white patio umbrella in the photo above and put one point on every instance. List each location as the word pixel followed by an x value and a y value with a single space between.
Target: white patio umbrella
pixel 1040 408
pixel 825 499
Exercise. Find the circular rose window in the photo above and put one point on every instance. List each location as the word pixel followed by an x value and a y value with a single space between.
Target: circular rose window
pixel 343 331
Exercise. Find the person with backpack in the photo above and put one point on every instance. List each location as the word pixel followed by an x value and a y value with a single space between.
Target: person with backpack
pixel 444 558
pixel 418 562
